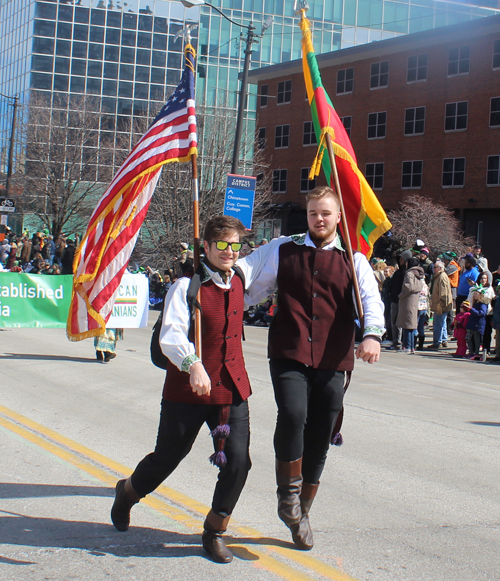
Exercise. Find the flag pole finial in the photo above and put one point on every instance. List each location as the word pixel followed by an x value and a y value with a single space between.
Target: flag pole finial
pixel 301 7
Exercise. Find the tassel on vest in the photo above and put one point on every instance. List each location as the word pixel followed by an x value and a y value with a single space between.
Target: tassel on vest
pixel 220 434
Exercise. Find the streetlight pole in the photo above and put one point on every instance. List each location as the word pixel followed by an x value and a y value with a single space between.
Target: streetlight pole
pixel 244 79
pixel 11 145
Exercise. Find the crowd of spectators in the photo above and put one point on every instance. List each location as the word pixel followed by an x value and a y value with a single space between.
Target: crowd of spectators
pixel 457 296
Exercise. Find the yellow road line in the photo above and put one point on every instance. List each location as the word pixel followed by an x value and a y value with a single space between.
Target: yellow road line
pixel 64 448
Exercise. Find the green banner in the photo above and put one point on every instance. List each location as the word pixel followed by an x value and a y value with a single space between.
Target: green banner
pixel 34 300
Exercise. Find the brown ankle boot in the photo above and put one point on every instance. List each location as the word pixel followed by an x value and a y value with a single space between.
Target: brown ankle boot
pixel 289 481
pixel 125 498
pixel 213 543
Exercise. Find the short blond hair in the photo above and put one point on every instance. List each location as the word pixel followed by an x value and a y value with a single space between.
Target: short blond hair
pixel 322 192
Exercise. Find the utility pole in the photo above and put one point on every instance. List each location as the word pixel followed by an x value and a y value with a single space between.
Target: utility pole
pixel 11 147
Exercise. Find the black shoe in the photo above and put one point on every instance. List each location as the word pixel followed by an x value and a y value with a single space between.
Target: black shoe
pixel 108 356
pixel 434 347
pixel 214 545
pixel 98 355
pixel 120 513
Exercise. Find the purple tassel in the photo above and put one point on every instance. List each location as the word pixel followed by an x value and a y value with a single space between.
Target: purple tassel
pixel 218 459
pixel 221 432
pixel 337 440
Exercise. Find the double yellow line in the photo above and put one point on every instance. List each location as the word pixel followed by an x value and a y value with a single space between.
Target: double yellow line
pixel 273 558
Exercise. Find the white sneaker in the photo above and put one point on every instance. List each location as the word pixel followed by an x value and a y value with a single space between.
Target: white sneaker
pixel 483 356
pixel 386 342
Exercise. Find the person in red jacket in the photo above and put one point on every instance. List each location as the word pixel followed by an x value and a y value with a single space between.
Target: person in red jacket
pixel 212 390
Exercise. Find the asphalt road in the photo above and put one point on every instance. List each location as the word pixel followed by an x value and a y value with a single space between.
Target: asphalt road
pixel 412 495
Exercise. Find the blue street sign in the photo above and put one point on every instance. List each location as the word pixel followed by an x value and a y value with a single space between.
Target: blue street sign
pixel 239 200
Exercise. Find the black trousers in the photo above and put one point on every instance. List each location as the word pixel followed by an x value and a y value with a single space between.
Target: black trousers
pixel 309 402
pixel 179 426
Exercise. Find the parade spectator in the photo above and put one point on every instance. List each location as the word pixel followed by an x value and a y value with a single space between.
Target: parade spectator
pixel 467 279
pixel 68 257
pixel 426 264
pixel 378 271
pixel 423 309
pixel 452 269
pixel 11 260
pixel 408 303
pixel 460 331
pixel 386 299
pixel 481 260
pixel 476 324
pixel 52 248
pixel 441 303
pixel 484 281
pixel 396 286
pixel 26 251
pixel 60 247
pixel 495 322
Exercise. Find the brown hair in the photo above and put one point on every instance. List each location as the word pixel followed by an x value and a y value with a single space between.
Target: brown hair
pixel 321 192
pixel 220 226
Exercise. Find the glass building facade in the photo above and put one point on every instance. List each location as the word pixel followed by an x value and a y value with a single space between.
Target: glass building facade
pixel 124 52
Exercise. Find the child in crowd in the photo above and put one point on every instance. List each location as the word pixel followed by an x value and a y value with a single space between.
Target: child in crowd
pixel 460 331
pixel 477 322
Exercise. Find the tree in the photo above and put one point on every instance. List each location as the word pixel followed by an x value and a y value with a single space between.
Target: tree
pixel 68 162
pixel 170 217
pixel 419 217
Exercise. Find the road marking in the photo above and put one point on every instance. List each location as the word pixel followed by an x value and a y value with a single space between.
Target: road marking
pixel 86 459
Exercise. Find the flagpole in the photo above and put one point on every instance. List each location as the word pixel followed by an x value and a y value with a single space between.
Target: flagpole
pixel 196 250
pixel 345 228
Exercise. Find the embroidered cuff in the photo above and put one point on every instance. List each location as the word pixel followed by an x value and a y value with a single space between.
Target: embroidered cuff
pixel 188 361
pixel 374 331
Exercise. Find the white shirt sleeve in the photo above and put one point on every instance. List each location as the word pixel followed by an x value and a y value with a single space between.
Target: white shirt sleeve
pixel 261 271
pixel 373 307
pixel 174 341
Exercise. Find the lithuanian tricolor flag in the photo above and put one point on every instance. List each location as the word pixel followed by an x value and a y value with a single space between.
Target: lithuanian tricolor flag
pixel 366 219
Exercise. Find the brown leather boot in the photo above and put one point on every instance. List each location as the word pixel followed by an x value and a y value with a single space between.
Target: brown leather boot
pixel 301 532
pixel 289 481
pixel 213 543
pixel 125 498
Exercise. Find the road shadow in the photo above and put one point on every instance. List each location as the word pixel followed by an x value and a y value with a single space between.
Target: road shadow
pixel 36 357
pixel 490 424
pixel 20 490
pixel 103 539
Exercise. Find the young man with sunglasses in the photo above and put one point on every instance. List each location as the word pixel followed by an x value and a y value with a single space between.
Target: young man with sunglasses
pixel 311 347
pixel 213 390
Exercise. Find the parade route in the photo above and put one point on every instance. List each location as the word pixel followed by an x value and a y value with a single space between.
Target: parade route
pixel 412 495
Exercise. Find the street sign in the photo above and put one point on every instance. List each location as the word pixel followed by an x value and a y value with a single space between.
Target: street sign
pixel 240 196
pixel 7 205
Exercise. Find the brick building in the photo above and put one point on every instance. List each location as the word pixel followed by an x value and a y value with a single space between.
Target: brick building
pixel 423 114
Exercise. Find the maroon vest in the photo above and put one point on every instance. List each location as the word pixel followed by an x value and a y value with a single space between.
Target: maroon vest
pixel 314 321
pixel 221 351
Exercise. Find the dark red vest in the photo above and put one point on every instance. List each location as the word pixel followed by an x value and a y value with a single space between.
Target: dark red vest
pixel 314 321
pixel 221 351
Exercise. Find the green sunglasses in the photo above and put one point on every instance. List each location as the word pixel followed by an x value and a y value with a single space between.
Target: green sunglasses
pixel 222 245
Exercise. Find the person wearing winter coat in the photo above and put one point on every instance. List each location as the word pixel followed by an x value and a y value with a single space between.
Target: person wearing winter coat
pixel 408 303
pixel 460 329
pixel 476 324
pixel 441 304
pixel 483 283
pixel 495 322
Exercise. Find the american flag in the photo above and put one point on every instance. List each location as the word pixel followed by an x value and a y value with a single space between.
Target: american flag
pixel 104 253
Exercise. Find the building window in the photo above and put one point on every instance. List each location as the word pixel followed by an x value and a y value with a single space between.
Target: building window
pixel 374 173
pixel 377 123
pixel 264 91
pixel 309 137
pixel 496 54
pixel 347 123
pixel 495 112
pixel 279 181
pixel 459 61
pixel 284 92
pixel 493 174
pixel 281 136
pixel 415 121
pixel 417 68
pixel 455 117
pixel 379 75
pixel 306 185
pixel 261 140
pixel 453 172
pixel 412 174
pixel 345 81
